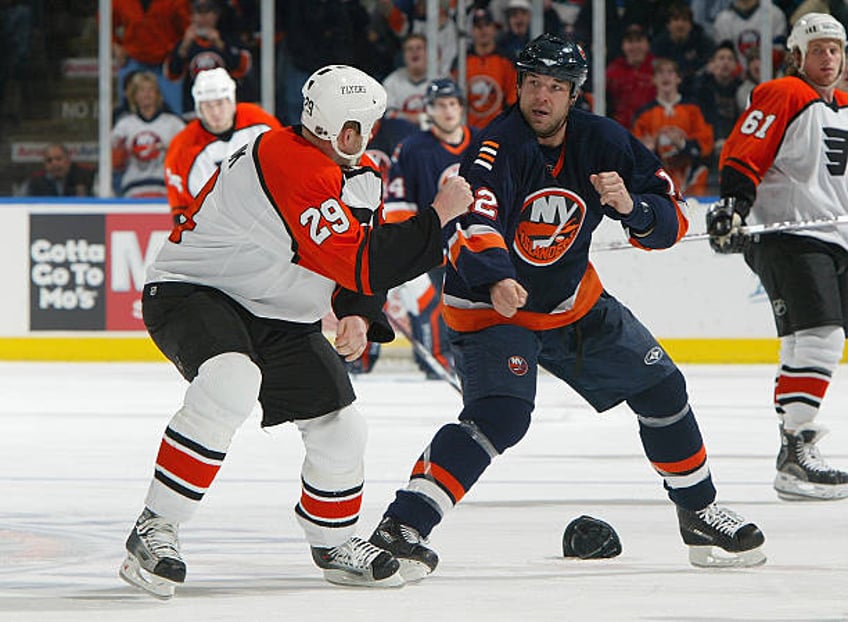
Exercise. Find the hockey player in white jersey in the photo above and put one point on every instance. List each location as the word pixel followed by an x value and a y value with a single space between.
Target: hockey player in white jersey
pixel 235 298
pixel 785 161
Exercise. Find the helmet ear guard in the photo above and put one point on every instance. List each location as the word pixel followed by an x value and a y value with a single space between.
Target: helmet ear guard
pixel 336 94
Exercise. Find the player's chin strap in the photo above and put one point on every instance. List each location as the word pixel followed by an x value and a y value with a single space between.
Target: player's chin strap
pixel 748 230
pixel 424 352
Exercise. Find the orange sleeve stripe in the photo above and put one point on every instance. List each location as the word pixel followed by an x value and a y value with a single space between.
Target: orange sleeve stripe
pixel 683 466
pixel 187 468
pixel 492 144
pixel 440 476
pixel 426 298
pixel 475 244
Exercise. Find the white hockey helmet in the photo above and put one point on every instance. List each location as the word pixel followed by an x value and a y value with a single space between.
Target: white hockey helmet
pixel 213 84
pixel 336 94
pixel 813 26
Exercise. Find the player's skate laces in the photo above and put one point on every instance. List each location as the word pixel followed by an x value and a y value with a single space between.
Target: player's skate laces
pixel 153 561
pixel 802 473
pixel 719 538
pixel 407 545
pixel 357 562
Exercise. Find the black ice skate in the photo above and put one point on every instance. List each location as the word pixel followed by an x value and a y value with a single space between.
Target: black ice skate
pixel 719 538
pixel 357 562
pixel 802 473
pixel 153 562
pixel 404 542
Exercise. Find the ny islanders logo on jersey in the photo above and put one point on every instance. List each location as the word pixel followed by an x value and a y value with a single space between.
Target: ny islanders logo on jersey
pixel 485 96
pixel 147 146
pixel 550 221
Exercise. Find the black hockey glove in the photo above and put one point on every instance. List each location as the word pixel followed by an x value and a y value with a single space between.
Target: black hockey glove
pixel 723 226
pixel 590 538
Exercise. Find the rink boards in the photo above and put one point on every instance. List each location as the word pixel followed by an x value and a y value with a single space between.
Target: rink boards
pixel 75 270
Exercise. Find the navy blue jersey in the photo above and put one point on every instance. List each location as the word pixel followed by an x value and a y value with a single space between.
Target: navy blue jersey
pixel 420 165
pixel 534 213
pixel 385 138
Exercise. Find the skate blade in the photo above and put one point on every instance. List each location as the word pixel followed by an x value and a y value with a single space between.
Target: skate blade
pixel 131 572
pixel 793 489
pixel 345 577
pixel 716 557
pixel 413 571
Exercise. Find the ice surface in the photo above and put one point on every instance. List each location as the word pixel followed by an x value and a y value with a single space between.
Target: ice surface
pixel 77 444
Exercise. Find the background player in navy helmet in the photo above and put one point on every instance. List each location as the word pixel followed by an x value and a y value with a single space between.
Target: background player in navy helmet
pixel 521 293
pixel 420 166
pixel 785 160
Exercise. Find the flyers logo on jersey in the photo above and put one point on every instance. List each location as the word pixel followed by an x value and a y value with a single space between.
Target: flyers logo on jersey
pixel 550 222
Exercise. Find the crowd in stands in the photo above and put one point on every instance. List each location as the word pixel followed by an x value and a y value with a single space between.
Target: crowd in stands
pixel 712 47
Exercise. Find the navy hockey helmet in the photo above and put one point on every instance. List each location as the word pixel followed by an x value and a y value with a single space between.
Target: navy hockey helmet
pixel 550 55
pixel 443 87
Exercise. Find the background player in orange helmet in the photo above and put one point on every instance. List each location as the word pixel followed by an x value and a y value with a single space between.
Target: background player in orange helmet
pixel 221 127
pixel 785 160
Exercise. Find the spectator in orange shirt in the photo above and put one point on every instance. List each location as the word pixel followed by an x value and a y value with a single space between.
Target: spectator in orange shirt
pixel 490 76
pixel 676 131
pixel 630 76
pixel 144 32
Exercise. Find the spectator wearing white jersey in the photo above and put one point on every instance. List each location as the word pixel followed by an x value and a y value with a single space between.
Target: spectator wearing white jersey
pixel 741 23
pixel 406 86
pixel 140 139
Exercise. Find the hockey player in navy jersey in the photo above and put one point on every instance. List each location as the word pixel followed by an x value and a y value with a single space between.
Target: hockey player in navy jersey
pixel 521 293
pixel 420 166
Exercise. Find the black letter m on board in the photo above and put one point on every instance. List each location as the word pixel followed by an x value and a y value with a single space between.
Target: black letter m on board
pixel 837 150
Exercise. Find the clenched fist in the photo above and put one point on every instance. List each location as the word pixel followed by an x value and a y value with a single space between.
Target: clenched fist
pixel 453 199
pixel 613 192
pixel 508 296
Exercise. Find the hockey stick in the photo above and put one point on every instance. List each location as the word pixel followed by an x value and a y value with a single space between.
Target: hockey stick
pixel 424 352
pixel 775 227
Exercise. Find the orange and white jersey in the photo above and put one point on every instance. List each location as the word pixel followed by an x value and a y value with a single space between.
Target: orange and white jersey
pixel 793 147
pixel 277 226
pixel 195 153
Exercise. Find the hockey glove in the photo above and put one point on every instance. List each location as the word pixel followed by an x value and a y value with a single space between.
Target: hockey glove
pixel 590 538
pixel 723 226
